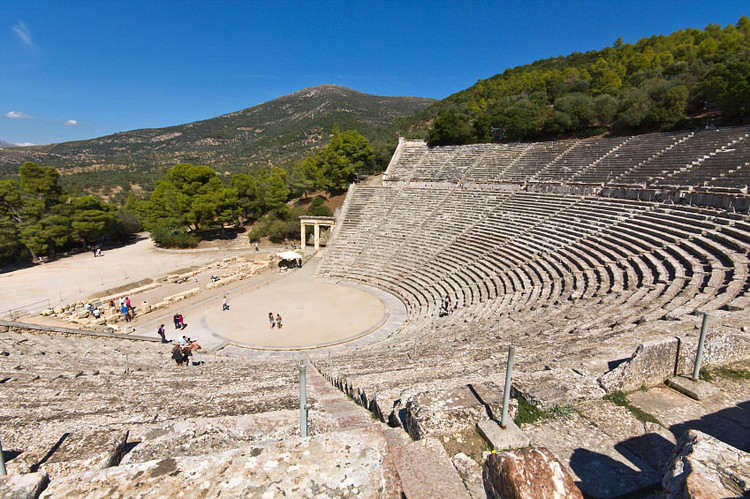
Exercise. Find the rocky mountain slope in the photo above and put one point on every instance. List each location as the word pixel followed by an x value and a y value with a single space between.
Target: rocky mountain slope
pixel 275 132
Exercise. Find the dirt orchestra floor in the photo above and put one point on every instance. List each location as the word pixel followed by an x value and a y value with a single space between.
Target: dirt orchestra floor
pixel 315 313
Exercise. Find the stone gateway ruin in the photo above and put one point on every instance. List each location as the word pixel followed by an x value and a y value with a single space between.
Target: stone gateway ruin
pixel 597 259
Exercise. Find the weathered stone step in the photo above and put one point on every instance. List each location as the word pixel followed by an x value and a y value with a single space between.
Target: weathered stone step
pixel 423 466
pixel 335 464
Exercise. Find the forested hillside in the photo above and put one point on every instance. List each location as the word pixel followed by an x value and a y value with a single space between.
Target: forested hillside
pixel 681 80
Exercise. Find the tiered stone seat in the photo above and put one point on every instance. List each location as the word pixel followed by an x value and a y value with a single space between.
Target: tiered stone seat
pixel 534 156
pixel 719 166
pixel 682 158
pixel 631 152
pixel 577 159
pixel 492 164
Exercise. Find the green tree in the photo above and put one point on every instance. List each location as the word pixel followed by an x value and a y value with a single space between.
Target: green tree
pixel 450 129
pixel 191 198
pixel 91 218
pixel 303 177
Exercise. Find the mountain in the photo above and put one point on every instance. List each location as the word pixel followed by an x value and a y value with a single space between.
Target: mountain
pixel 275 132
pixel 4 144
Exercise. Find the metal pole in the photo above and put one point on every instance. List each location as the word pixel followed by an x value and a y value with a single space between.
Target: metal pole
pixel 506 391
pixel 302 399
pixel 3 471
pixel 329 359
pixel 701 341
pixel 127 368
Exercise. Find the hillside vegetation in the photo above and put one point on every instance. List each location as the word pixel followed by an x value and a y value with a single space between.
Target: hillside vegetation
pixel 277 133
pixel 662 82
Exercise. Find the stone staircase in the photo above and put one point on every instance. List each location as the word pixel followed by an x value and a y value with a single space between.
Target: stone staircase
pixel 417 468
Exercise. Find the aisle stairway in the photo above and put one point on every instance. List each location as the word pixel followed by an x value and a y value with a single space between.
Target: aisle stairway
pixel 412 468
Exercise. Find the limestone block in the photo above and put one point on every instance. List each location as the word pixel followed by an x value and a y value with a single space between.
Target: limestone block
pixel 703 466
pixel 719 349
pixel 58 310
pixel 47 312
pixel 443 412
pixel 652 362
pixel 145 308
pixel 546 389
pixel 333 464
pixel 527 474
pixel 72 453
pixel 82 314
pixel 28 485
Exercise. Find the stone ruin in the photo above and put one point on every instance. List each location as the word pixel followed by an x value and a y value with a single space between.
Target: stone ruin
pixel 595 258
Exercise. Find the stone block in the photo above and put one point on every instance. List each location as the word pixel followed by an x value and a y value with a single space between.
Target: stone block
pixel 510 437
pixel 443 412
pixel 527 473
pixel 26 486
pixel 546 389
pixel 73 453
pixel 333 464
pixel 720 348
pixel 697 389
pixel 703 466
pixel 652 362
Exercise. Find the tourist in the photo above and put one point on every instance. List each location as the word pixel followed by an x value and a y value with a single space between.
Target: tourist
pixel 278 321
pixel 176 320
pixel 162 334
pixel 127 304
pixel 177 354
pixel 96 313
pixel 256 246
pixel 271 319
pixel 125 313
pixel 181 321
pixel 224 304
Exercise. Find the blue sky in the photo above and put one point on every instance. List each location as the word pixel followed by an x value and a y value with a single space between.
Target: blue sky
pixel 81 69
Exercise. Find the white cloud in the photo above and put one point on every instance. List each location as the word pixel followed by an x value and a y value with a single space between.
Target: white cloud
pixel 71 123
pixel 17 115
pixel 26 144
pixel 23 33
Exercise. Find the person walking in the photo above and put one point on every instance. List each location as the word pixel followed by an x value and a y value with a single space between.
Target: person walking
pixel 271 319
pixel 224 304
pixel 161 333
pixel 278 321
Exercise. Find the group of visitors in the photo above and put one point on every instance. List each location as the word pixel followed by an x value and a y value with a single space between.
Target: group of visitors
pixel 179 321
pixel 275 322
pixel 183 349
pixel 124 307
pixel 94 310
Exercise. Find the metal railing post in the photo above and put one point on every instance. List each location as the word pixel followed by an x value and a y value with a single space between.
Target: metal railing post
pixel 127 367
pixel 302 399
pixel 506 391
pixel 701 341
pixel 3 471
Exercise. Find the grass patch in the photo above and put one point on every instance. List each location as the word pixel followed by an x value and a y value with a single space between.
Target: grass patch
pixel 529 413
pixel 619 398
pixel 705 374
pixel 728 372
